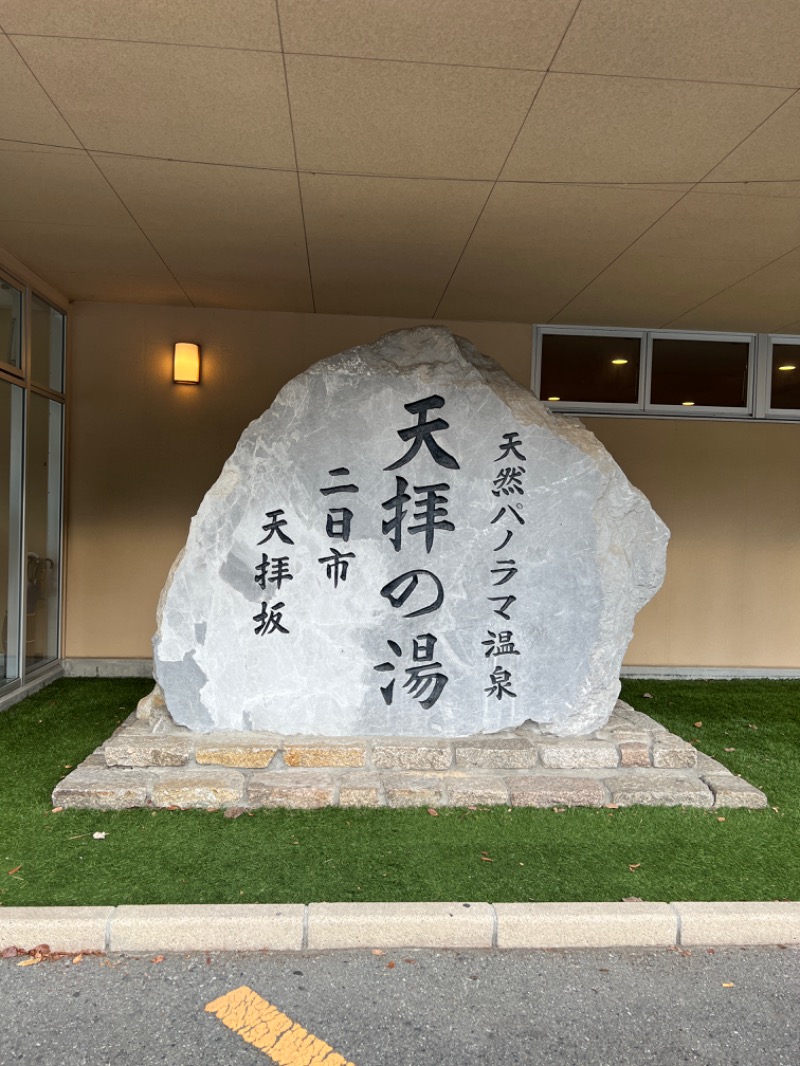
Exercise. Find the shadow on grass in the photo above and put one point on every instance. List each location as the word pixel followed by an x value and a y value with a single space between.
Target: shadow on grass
pixel 753 727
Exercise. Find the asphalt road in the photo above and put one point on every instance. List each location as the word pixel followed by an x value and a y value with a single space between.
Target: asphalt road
pixel 729 1007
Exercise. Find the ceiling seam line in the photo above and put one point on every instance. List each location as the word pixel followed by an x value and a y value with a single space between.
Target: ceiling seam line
pixel 575 182
pixel 672 208
pixel 409 62
pixel 501 168
pixel 296 165
pixel 103 176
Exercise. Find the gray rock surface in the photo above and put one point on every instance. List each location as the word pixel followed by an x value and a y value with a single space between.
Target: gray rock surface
pixel 408 543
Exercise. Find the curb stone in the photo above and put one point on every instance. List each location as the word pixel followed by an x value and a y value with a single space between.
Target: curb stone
pixel 318 926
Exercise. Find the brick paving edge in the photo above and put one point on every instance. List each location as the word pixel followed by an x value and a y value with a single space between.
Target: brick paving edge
pixel 386 926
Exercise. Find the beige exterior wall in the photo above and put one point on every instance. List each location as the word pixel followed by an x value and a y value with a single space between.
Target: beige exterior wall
pixel 143 452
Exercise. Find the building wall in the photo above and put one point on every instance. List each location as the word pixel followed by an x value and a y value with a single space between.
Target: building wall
pixel 143 452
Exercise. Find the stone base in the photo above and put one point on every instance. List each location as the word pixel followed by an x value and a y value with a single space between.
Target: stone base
pixel 151 762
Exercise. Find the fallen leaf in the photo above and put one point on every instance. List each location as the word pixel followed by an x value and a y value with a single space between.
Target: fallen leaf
pixel 647 696
pixel 485 858
pixel 559 810
pixel 40 949
pixel 57 810
pixel 30 962
pixel 16 869
pixel 157 958
pixel 634 866
pixel 720 819
pixel 77 959
pixel 434 813
pixel 698 725
pixel 611 806
pixel 728 984
pixel 233 812
pixel 749 726
pixel 410 961
pixel 98 836
pixel 377 951
pixel 390 965
pixel 472 808
pixel 730 749
pixel 9 953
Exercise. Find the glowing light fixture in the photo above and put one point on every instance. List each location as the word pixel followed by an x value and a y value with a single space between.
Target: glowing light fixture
pixel 553 399
pixel 787 366
pixel 687 403
pixel 186 364
pixel 619 362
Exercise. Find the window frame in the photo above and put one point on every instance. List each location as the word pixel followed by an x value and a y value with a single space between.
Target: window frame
pixel 759 363
pixel 782 414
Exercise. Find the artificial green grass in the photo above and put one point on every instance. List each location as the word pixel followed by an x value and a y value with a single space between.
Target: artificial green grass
pixel 304 856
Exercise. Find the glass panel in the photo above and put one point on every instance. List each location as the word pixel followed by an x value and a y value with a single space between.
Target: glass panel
pixel 11 414
pixel 701 373
pixel 47 345
pixel 590 369
pixel 785 390
pixel 43 528
pixel 10 318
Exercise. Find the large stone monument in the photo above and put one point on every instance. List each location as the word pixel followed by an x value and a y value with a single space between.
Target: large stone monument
pixel 408 543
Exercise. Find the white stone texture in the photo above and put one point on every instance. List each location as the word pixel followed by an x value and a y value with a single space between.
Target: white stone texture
pixel 589 555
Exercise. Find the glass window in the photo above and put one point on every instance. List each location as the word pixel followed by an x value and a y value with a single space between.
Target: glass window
pixel 590 368
pixel 43 530
pixel 785 381
pixel 695 372
pixel 10 318
pixel 11 408
pixel 47 345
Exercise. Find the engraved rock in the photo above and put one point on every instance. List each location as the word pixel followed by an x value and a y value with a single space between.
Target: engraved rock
pixel 408 543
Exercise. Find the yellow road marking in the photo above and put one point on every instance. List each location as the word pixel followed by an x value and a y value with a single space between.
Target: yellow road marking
pixel 271 1031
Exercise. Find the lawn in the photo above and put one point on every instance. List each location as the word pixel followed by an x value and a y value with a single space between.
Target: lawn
pixel 303 856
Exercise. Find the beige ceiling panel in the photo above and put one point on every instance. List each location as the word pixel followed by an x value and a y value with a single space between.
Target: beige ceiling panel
pixel 172 195
pixel 770 153
pixel 537 246
pixel 208 105
pixel 221 256
pixel 233 225
pixel 27 113
pixel 386 246
pixel 55 185
pixel 156 287
pixel 728 227
pixel 503 33
pixel 647 292
pixel 234 24
pixel 403 119
pixel 589 128
pixel 763 302
pixel 244 294
pixel 712 40
pixel 51 248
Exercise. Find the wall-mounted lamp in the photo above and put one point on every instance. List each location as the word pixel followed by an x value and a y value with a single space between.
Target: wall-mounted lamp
pixel 186 364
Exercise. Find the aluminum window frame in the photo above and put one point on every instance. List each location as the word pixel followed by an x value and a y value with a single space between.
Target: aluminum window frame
pixel 598 331
pixel 21 377
pixel 759 364
pixel 782 414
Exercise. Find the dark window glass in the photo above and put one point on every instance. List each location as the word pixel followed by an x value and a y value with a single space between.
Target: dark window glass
pixel 785 391
pixel 699 373
pixel 590 369
pixel 10 316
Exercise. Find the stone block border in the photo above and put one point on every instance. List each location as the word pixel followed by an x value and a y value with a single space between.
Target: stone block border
pixel 386 926
pixel 151 762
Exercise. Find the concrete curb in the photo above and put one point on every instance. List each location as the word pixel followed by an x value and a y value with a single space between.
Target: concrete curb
pixel 295 927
